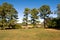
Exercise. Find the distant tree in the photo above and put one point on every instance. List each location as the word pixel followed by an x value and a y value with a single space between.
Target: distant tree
pixel 26 13
pixel 44 12
pixel 54 22
pixel 34 16
pixel 37 22
pixel 24 21
pixel 58 16
pixel 58 10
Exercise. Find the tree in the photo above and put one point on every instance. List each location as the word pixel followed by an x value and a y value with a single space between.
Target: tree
pixel 7 12
pixel 24 21
pixel 3 14
pixel 58 10
pixel 12 17
pixel 58 15
pixel 34 16
pixel 26 13
pixel 44 12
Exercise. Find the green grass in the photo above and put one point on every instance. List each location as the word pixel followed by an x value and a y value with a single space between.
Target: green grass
pixel 30 34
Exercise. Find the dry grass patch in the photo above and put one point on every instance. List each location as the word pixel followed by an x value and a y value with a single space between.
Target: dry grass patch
pixel 29 34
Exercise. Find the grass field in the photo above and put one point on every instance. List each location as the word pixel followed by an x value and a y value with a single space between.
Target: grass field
pixel 30 34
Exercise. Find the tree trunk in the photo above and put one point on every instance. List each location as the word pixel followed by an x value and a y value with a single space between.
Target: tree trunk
pixel 44 22
pixel 27 21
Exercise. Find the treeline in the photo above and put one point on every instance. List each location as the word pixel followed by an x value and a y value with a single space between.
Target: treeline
pixel 43 12
pixel 9 16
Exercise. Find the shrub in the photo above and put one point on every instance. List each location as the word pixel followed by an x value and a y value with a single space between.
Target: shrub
pixel 18 26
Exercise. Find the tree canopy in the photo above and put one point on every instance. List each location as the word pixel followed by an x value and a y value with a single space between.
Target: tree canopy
pixel 7 13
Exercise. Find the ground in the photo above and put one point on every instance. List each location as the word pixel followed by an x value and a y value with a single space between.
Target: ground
pixel 30 34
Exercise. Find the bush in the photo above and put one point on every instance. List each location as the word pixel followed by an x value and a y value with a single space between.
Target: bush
pixel 18 26
pixel 54 23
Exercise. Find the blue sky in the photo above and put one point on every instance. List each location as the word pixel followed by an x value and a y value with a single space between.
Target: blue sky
pixel 20 5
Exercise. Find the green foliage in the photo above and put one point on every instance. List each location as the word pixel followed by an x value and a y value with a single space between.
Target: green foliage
pixel 44 12
pixel 58 10
pixel 26 13
pixel 53 23
pixel 34 16
pixel 18 26
pixel 58 7
pixel 7 14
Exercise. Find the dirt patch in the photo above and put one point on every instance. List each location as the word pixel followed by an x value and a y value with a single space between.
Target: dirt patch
pixel 52 30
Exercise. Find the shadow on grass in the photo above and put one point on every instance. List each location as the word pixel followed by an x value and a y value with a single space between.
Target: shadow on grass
pixel 9 28
pixel 54 28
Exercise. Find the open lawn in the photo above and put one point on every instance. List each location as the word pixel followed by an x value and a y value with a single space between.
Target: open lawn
pixel 30 34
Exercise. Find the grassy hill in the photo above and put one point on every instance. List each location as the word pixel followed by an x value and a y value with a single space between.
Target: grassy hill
pixel 30 34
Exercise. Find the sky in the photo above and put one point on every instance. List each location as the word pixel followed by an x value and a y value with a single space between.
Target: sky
pixel 20 5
